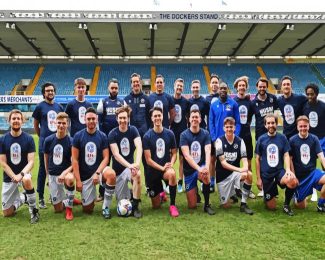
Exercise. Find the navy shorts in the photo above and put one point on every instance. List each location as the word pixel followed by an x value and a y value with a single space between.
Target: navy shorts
pixel 153 182
pixel 249 146
pixel 270 185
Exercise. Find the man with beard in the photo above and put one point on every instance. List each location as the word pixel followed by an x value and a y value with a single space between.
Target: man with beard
pixel 159 147
pixel 164 101
pixel 290 105
pixel 272 152
pixel 106 116
pixel 17 151
pixel 76 108
pixel 44 124
pixel 89 158
pixel 305 149
pixel 180 123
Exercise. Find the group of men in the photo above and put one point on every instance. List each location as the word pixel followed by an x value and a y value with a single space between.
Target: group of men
pixel 212 136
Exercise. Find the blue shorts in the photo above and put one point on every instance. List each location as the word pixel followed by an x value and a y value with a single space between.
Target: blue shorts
pixel 270 185
pixel 191 181
pixel 322 144
pixel 306 186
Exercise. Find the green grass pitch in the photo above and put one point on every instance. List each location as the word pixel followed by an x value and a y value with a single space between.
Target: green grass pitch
pixel 195 235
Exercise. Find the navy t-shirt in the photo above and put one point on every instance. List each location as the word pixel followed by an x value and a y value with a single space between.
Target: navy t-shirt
pixel 304 154
pixel 125 144
pixel 271 150
pixel 196 143
pixel 181 112
pixel 165 102
pixel 291 109
pixel 316 115
pixel 46 114
pixel 90 148
pixel 232 152
pixel 246 111
pixel 59 153
pixel 261 109
pixel 203 105
pixel 76 111
pixel 16 150
pixel 160 146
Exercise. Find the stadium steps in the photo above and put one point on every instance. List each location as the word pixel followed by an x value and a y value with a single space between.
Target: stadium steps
pixel 318 74
pixel 153 78
pixel 262 73
pixel 207 76
pixel 94 82
pixel 13 91
pixel 30 89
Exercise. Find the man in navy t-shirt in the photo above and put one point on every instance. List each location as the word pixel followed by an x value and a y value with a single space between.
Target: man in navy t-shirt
pixel 17 151
pixel 123 141
pixel 195 143
pixel 180 123
pixel 57 159
pixel 272 152
pixel 44 124
pixel 163 100
pixel 159 147
pixel 290 105
pixel 76 108
pixel 89 158
pixel 305 149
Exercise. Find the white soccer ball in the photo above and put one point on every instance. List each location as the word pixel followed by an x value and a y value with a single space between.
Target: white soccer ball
pixel 124 208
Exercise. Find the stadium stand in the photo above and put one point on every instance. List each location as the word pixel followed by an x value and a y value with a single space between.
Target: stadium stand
pixel 63 76
pixel 11 74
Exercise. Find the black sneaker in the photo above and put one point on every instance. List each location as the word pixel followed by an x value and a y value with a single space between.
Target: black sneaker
pixel 321 208
pixel 35 216
pixel 212 188
pixel 106 213
pixel 42 204
pixel 234 199
pixel 137 213
pixel 209 210
pixel 244 208
pixel 287 209
pixel 198 198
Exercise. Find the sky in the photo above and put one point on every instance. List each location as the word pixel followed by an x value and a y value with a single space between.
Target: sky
pixel 167 5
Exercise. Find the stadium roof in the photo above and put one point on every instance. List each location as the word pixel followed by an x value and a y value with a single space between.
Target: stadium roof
pixel 182 36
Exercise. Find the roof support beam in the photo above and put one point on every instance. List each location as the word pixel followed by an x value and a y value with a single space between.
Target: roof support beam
pixel 303 40
pixel 272 40
pixel 214 37
pixel 181 45
pixel 317 50
pixel 59 39
pixel 120 35
pixel 152 42
pixel 244 39
pixel 90 39
pixel 7 49
pixel 28 40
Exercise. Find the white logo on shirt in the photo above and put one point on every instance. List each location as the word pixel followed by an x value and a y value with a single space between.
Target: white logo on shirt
pixel 51 117
pixel 90 153
pixel 313 119
pixel 243 111
pixel 160 148
pixel 195 106
pixel 196 151
pixel 178 116
pixel 305 153
pixel 15 153
pixel 289 114
pixel 272 155
pixel 81 114
pixel 58 154
pixel 125 146
pixel 158 103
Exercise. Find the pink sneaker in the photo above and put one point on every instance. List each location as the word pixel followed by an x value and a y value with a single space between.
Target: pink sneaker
pixel 173 211
pixel 163 197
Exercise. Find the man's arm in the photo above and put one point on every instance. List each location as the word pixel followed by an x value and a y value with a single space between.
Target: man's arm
pixel 207 149
pixel 36 127
pixel 212 127
pixel 104 162
pixel 46 163
pixel 75 167
pixel 174 156
pixel 228 166
pixel 258 172
pixel 189 158
pixel 6 168
pixel 287 162
pixel 118 156
pixel 152 163
pixel 321 159
pixel 139 151
pixel 172 114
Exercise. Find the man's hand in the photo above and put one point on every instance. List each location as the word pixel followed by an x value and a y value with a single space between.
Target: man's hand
pixel 79 186
pixel 95 178
pixel 17 178
pixel 259 183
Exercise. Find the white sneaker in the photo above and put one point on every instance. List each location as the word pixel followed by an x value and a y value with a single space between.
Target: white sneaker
pixel 251 195
pixel 260 194
pixel 167 189
pixel 314 197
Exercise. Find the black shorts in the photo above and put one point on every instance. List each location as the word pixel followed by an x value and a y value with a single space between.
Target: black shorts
pixel 249 146
pixel 153 182
pixel 270 185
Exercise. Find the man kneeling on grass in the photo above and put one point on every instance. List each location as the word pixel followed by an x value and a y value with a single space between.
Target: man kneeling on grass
pixel 305 149
pixel 17 151
pixel 195 143
pixel 57 159
pixel 230 150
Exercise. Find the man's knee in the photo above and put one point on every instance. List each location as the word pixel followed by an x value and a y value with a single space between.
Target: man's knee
pixel 271 204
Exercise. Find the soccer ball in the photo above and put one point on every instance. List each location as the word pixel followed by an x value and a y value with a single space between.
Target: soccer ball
pixel 124 208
